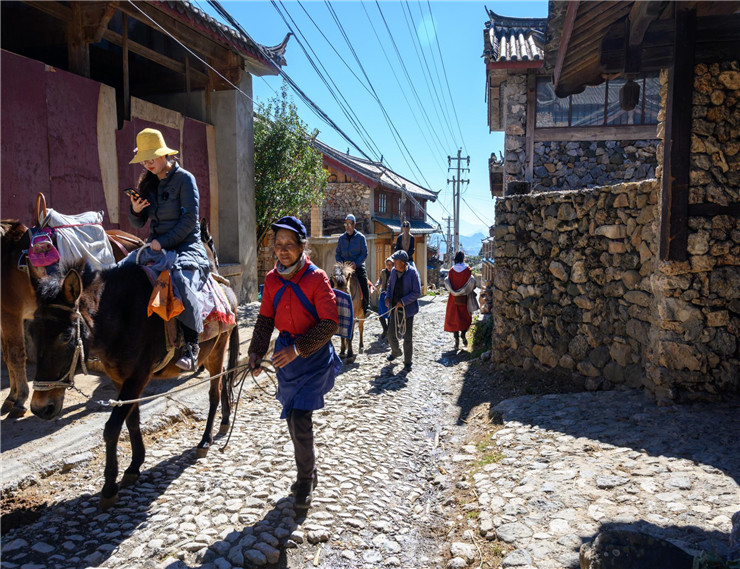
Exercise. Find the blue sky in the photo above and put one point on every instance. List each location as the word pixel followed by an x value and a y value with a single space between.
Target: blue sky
pixel 451 89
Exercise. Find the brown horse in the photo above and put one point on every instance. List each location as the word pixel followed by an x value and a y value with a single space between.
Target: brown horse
pixel 18 302
pixel 343 278
pixel 104 313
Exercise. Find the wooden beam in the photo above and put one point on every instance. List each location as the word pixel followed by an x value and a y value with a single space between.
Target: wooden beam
pixel 154 56
pixel 641 15
pixel 77 43
pixel 578 133
pixel 194 40
pixel 531 116
pixel 570 17
pixel 102 24
pixel 714 209
pixel 54 9
pixel 674 228
pixel 126 78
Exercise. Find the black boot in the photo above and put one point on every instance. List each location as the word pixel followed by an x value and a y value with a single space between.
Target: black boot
pixel 464 339
pixel 302 491
pixel 457 340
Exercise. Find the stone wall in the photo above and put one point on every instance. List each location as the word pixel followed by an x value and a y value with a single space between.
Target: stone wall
pixel 579 288
pixel 568 165
pixel 572 281
pixel 343 198
pixel 576 165
pixel 697 352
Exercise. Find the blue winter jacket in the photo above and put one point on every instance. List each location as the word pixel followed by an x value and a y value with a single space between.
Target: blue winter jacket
pixel 173 216
pixel 411 288
pixel 351 250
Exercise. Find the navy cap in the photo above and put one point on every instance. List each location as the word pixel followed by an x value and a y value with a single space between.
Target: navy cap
pixel 292 223
pixel 401 256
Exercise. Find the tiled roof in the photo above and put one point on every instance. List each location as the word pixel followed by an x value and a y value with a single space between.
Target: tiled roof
pixel 417 227
pixel 374 171
pixel 513 39
pixel 241 43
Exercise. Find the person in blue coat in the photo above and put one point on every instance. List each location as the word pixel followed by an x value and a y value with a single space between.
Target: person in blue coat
pixel 404 290
pixel 168 199
pixel 352 248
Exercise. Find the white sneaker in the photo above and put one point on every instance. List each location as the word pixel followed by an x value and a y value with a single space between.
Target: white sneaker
pixel 189 359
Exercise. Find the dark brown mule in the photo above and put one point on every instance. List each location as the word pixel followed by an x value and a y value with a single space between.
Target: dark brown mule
pixel 343 278
pixel 105 314
pixel 18 302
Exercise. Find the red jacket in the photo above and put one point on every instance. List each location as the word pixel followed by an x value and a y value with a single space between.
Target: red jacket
pixel 291 316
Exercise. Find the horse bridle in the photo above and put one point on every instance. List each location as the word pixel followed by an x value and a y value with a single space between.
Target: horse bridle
pixel 67 381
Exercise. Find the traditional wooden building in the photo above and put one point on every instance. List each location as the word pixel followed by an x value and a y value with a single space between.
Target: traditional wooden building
pixel 636 282
pixel 80 79
pixel 380 199
pixel 583 139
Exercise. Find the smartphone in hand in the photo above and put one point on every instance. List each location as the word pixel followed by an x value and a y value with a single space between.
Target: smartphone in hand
pixel 133 193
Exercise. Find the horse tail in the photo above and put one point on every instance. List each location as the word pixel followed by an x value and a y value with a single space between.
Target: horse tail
pixel 233 355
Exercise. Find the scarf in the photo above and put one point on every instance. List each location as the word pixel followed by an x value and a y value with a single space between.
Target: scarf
pixel 288 272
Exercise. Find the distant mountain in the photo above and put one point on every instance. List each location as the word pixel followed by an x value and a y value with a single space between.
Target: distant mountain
pixel 471 244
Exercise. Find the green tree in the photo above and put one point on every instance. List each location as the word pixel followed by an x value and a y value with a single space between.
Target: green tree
pixel 288 172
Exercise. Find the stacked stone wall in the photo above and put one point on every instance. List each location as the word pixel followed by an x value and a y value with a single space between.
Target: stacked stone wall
pixel 579 287
pixel 585 164
pixel 343 198
pixel 698 300
pixel 572 281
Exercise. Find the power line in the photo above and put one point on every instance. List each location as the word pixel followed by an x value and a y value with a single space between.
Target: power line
pixel 336 92
pixel 476 214
pixel 415 40
pixel 377 98
pixel 447 81
pixel 400 87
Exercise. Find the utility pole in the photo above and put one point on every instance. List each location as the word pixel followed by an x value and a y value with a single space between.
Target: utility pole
pixel 456 181
pixel 447 241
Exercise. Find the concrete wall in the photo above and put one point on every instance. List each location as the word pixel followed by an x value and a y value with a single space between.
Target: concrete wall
pixel 231 113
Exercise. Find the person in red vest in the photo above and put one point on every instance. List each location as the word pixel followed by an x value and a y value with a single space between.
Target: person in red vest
pixel 460 283
pixel 298 300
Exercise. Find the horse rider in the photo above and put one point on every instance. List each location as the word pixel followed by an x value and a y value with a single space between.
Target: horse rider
pixel 405 241
pixel 404 290
pixel 352 248
pixel 168 198
pixel 298 300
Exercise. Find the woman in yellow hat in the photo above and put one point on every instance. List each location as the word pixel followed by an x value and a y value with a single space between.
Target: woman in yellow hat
pixel 168 199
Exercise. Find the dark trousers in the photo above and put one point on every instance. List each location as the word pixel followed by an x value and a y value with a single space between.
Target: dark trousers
pixel 300 426
pixel 361 273
pixel 408 345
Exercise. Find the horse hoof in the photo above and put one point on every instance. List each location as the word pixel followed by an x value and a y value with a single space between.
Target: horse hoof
pixel 7 406
pixel 107 503
pixel 223 429
pixel 129 480
pixel 17 412
pixel 201 452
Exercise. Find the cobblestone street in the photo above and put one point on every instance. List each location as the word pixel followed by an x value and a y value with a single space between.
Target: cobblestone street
pixel 382 440
pixel 412 474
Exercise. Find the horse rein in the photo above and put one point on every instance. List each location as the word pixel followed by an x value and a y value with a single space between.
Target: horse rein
pixel 67 381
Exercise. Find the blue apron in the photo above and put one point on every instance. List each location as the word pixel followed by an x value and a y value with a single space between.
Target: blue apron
pixel 303 383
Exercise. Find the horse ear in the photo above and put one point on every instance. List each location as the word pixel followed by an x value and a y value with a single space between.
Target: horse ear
pixel 72 286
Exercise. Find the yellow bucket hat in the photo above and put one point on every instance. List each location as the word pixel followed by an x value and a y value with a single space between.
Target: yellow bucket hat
pixel 150 145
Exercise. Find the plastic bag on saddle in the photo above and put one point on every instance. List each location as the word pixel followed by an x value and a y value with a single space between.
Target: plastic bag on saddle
pixel 81 236
pixel 163 301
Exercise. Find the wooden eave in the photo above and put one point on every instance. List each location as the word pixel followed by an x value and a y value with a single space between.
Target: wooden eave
pixel 91 19
pixel 590 41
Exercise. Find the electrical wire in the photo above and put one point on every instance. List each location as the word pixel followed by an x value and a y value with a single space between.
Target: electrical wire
pixel 447 81
pixel 403 91
pixel 415 40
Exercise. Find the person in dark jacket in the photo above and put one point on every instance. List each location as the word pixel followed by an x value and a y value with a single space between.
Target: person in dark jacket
pixel 168 199
pixel 298 300
pixel 405 241
pixel 404 290
pixel 352 248
pixel 382 286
